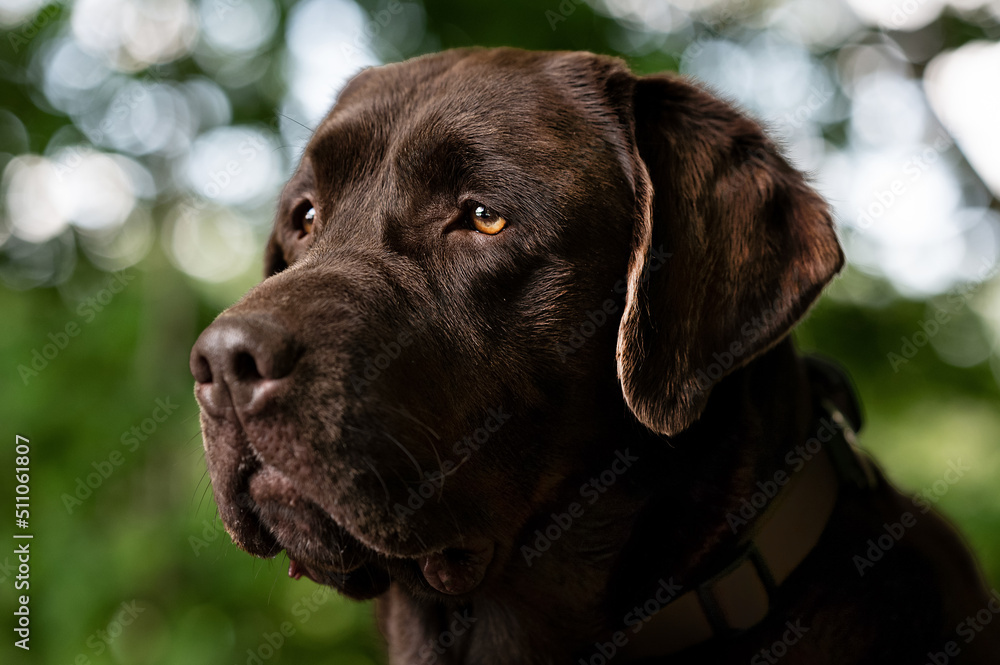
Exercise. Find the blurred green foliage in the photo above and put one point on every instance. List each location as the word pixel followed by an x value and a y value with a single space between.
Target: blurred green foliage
pixel 144 547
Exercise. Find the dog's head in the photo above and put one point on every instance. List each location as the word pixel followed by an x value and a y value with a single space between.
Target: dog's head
pixel 467 240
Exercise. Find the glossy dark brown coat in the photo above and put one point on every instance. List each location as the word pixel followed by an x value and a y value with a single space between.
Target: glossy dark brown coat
pixel 410 408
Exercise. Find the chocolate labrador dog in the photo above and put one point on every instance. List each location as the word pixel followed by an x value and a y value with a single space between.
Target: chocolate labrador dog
pixel 520 370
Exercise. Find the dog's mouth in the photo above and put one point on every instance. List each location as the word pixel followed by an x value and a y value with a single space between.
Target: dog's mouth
pixel 322 550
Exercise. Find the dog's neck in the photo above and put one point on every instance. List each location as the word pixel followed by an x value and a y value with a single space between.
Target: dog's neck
pixel 753 418
pixel 604 549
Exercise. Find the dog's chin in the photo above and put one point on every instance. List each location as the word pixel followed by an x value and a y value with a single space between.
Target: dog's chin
pixel 321 549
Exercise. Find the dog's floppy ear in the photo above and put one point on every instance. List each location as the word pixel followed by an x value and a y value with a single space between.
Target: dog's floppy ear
pixel 731 248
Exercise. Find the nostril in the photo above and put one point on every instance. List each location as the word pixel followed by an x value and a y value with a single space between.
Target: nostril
pixel 245 368
pixel 201 369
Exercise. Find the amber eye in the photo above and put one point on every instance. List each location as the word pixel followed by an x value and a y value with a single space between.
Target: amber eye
pixel 307 220
pixel 487 221
pixel 304 218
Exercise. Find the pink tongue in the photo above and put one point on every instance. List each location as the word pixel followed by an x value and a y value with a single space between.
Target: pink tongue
pixel 296 570
pixel 456 572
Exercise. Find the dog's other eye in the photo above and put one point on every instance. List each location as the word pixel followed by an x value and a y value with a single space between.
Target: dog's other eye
pixel 304 218
pixel 487 221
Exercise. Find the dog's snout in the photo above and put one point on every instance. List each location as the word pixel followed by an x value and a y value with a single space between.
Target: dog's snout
pixel 241 362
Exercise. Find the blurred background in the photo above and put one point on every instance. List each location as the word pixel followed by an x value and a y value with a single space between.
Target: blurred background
pixel 142 146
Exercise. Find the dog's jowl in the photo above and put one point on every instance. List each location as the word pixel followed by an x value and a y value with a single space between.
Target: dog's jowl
pixel 521 360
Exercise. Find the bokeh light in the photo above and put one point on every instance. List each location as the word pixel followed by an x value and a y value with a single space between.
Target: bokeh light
pixel 133 34
pixel 327 44
pixel 209 243
pixel 237 27
pixel 962 86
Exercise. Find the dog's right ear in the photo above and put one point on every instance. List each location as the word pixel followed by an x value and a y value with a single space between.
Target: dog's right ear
pixel 731 246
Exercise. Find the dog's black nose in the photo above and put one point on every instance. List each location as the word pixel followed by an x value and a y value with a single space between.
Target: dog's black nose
pixel 240 362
